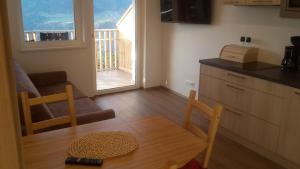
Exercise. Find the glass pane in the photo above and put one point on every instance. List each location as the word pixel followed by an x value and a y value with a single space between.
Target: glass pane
pixel 114 22
pixel 48 20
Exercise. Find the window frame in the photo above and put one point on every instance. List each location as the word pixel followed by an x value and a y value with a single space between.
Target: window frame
pixel 79 42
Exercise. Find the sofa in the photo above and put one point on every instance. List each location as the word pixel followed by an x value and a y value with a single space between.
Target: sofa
pixel 43 84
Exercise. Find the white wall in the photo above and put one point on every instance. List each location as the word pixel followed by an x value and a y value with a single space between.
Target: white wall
pixel 184 44
pixel 126 25
pixel 153 45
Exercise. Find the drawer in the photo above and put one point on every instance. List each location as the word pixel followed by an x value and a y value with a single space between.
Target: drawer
pixel 237 78
pixel 231 119
pixel 266 107
pixel 256 84
pixel 245 81
pixel 212 71
pixel 260 104
pixel 235 96
pixel 262 133
pixel 247 126
pixel 211 87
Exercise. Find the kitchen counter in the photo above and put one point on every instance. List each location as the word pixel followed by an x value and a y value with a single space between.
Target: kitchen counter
pixel 260 70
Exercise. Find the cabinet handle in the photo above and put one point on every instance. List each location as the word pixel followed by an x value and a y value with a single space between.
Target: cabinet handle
pixel 236 76
pixel 297 93
pixel 234 87
pixel 234 112
pixel 265 1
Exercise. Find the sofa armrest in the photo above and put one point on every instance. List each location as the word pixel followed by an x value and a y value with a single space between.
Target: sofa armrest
pixel 95 116
pixel 48 78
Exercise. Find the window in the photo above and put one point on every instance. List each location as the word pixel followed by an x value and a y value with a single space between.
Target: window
pixel 50 22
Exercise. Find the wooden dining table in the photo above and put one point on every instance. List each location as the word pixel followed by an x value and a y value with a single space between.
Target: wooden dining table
pixel 160 140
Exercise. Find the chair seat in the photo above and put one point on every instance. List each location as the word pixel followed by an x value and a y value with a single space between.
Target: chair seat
pixel 193 164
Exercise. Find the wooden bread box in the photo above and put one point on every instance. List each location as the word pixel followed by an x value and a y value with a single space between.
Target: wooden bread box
pixel 239 54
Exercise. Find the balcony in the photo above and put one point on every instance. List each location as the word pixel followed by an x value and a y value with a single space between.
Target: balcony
pixel 113 59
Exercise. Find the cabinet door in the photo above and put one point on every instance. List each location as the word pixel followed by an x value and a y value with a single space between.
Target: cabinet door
pixel 266 107
pixel 231 119
pixel 236 96
pixel 262 133
pixel 289 145
pixel 210 87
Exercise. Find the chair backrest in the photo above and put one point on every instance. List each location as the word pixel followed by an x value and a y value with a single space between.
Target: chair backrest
pixel 211 114
pixel 28 102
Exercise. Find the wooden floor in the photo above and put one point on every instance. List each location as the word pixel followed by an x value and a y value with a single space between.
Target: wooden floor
pixel 142 103
pixel 113 79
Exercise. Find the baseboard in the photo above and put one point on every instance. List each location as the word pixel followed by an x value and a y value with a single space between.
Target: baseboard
pixel 174 92
pixel 151 88
pixel 259 150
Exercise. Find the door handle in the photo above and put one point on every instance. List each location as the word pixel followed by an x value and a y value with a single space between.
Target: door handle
pixel 236 76
pixel 297 93
pixel 234 87
pixel 234 112
pixel 259 1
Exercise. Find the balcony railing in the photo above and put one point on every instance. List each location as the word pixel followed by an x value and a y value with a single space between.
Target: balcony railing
pixel 106 41
pixel 47 35
pixel 112 51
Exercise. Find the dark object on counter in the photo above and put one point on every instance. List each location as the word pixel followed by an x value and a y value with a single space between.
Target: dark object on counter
pixel 291 60
pixel 83 161
pixel 296 41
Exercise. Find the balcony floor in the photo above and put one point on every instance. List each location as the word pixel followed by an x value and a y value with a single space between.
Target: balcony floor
pixel 113 79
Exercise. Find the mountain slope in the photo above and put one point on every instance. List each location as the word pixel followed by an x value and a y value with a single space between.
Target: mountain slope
pixel 58 14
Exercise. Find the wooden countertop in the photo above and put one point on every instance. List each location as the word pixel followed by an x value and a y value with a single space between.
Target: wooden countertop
pixel 259 70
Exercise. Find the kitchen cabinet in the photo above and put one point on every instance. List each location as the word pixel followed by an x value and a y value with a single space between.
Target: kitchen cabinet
pixel 261 132
pixel 253 108
pixel 261 107
pixel 289 144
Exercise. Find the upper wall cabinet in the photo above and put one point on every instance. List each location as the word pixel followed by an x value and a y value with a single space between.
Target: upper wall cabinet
pixel 290 8
pixel 253 2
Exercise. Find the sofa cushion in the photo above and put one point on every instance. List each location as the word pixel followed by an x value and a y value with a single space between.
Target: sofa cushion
pixel 24 84
pixel 60 88
pixel 86 111
pixel 82 106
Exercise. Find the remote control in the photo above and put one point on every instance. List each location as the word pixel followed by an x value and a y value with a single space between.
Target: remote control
pixel 83 161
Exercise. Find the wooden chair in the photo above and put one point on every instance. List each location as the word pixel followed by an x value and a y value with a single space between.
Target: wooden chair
pixel 211 114
pixel 28 102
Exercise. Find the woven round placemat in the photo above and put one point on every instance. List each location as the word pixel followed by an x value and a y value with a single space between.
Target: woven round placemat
pixel 103 145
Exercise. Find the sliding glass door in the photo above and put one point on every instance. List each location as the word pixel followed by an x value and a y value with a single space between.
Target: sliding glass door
pixel 115 37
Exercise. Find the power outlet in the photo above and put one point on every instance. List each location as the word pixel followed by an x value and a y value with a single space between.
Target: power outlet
pixel 190 83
